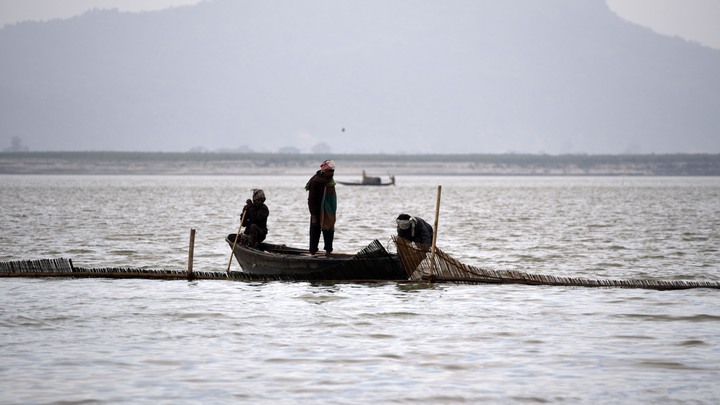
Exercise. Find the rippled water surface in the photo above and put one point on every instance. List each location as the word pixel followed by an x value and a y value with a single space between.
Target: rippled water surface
pixel 146 341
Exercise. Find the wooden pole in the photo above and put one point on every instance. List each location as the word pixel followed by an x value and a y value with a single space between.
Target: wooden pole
pixel 435 233
pixel 191 251
pixel 242 219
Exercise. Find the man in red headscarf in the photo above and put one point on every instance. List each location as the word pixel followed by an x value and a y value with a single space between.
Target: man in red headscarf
pixel 322 204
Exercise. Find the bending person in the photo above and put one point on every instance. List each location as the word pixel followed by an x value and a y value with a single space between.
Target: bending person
pixel 414 229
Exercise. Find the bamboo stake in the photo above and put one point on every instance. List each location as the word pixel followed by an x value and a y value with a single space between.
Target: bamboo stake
pixel 242 219
pixel 191 251
pixel 435 233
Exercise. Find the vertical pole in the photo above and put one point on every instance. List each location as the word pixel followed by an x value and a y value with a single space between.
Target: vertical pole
pixel 435 233
pixel 191 252
pixel 242 219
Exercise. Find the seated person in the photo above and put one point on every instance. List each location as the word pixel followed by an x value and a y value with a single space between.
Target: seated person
pixel 414 229
pixel 255 222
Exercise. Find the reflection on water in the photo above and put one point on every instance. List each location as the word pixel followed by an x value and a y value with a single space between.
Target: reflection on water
pixel 144 341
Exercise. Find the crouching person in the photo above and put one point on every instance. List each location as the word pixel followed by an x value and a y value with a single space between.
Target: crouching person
pixel 255 222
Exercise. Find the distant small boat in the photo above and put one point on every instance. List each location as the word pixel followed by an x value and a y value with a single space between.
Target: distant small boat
pixel 369 181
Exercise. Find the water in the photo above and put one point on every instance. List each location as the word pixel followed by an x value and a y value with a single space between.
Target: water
pixel 145 341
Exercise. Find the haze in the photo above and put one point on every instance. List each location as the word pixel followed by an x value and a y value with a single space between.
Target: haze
pixel 557 76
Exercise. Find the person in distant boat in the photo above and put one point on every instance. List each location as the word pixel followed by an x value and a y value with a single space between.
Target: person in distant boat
pixel 255 222
pixel 414 229
pixel 370 180
pixel 322 204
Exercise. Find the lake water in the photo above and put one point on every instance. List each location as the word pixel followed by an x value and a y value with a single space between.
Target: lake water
pixel 97 341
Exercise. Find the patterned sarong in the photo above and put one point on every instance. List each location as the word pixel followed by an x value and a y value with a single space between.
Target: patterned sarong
pixel 328 208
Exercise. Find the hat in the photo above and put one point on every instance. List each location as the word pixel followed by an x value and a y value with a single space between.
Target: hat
pixel 404 221
pixel 327 165
pixel 258 195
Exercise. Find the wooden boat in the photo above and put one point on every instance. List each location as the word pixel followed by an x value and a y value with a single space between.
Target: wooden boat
pixel 281 262
pixel 369 181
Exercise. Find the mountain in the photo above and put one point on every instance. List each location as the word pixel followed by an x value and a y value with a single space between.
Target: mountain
pixel 372 76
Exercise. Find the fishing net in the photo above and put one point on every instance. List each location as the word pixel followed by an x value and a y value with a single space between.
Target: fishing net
pixel 413 262
pixel 373 262
pixel 421 263
pixel 62 267
pixel 43 267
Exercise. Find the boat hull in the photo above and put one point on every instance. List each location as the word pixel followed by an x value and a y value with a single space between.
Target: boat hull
pixel 349 183
pixel 368 181
pixel 274 261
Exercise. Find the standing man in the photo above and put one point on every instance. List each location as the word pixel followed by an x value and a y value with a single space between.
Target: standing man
pixel 322 203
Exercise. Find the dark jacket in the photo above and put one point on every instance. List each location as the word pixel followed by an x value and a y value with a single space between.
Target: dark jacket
pixel 256 213
pixel 316 187
pixel 419 232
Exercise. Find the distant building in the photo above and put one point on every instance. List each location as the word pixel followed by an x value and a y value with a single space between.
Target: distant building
pixel 239 149
pixel 322 148
pixel 16 145
pixel 289 150
pixel 198 149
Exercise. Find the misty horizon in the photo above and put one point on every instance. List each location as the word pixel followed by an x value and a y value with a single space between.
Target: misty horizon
pixel 561 77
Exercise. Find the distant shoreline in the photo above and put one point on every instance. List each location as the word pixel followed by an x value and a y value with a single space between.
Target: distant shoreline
pixel 164 163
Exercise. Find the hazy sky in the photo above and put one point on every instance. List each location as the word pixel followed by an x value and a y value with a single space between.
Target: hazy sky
pixel 398 85
pixel 697 20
